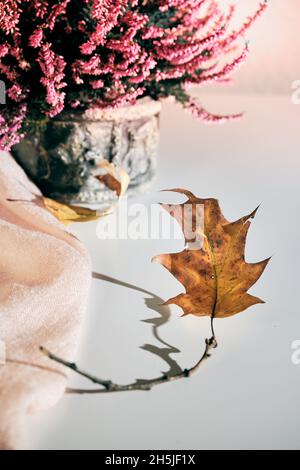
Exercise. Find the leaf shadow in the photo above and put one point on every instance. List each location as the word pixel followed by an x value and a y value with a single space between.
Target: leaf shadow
pixel 156 304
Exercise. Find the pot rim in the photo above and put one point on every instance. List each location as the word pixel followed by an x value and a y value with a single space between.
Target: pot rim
pixel 143 108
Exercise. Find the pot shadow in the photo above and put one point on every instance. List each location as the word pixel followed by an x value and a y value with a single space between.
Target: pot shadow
pixel 156 304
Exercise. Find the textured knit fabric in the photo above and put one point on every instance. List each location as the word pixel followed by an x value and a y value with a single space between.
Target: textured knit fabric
pixel 45 276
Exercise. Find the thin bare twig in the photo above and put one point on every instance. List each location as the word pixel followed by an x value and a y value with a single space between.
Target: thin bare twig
pixel 73 366
pixel 142 385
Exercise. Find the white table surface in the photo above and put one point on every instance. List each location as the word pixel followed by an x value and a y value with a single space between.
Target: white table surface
pixel 247 395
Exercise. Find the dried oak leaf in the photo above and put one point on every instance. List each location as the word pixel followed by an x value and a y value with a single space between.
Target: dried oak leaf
pixel 216 276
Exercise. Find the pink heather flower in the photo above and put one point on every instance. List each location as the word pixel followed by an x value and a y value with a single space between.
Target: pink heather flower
pixel 75 104
pixel 52 66
pixel 196 109
pixel 107 13
pixel 35 39
pixel 65 53
pixel 81 26
pixel 9 15
pixel 15 93
pixel 40 7
pixel 10 127
pixel 4 49
pixel 57 10
pixel 96 84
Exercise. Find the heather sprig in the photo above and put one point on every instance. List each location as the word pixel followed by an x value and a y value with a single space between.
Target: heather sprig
pixel 74 54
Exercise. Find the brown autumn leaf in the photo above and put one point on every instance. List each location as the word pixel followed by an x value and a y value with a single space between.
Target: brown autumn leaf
pixel 110 182
pixel 115 179
pixel 216 276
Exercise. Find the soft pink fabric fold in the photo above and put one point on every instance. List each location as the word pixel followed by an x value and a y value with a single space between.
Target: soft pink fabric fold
pixel 45 276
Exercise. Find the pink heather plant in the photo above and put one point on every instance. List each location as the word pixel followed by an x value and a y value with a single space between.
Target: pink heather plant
pixel 57 55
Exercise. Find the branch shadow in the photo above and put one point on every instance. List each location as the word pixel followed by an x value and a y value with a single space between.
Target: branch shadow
pixel 156 304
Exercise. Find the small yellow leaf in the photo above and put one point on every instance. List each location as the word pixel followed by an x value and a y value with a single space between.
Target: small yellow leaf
pixel 67 214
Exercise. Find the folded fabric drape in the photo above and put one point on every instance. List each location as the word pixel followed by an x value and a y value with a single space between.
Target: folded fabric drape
pixel 45 276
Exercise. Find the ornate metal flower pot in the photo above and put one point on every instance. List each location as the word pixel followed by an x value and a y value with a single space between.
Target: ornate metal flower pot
pixel 62 155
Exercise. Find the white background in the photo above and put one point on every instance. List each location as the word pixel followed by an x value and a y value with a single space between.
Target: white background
pixel 247 394
pixel 274 61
